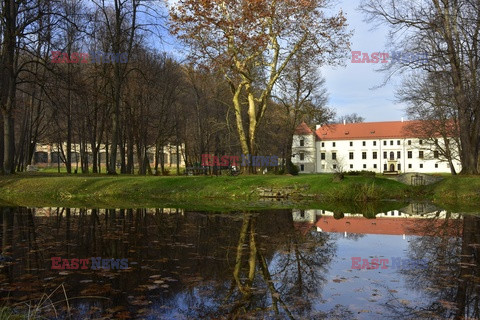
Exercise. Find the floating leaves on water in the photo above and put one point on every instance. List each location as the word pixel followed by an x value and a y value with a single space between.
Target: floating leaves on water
pixel 140 301
pixel 143 310
pixel 116 309
pixel 170 279
pixel 364 311
pixel 123 315
pixel 448 304
pixel 95 289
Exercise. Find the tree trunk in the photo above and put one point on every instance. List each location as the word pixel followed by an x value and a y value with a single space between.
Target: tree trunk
pixel 157 154
pixel 2 147
pixel 130 154
pixel 178 159
pixel 115 133
pixel 8 145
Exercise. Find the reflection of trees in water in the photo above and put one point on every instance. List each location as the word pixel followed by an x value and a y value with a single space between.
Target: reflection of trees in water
pixel 451 278
pixel 355 236
pixel 280 285
pixel 220 264
pixel 299 268
pixel 235 265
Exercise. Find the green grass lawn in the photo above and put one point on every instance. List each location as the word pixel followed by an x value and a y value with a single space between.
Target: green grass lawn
pixel 39 189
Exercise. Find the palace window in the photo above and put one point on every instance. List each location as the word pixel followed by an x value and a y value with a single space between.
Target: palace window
pixel 302 156
pixel 409 154
pixel 435 154
pixel 334 156
pixel 351 144
pixel 420 154
pixel 322 156
pixel 398 154
pixel 302 142
pixel 374 155
pixel 350 155
pixel 364 155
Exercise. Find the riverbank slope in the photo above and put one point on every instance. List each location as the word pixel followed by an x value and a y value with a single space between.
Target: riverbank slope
pixel 40 189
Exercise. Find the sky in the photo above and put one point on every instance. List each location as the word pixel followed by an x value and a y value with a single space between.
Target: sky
pixel 350 87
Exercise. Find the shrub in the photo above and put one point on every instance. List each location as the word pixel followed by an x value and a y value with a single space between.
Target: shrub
pixel 338 176
pixel 363 173
pixel 292 169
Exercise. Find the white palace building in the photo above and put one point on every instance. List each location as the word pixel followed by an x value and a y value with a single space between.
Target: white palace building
pixel 382 147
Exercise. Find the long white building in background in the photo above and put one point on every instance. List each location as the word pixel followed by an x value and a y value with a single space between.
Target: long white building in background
pixel 382 147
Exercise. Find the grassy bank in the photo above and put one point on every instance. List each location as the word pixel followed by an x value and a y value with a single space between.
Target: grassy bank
pixel 457 192
pixel 220 192
pixel 128 191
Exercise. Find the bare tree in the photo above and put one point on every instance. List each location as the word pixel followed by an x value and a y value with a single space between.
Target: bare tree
pixel 350 118
pixel 303 95
pixel 448 31
pixel 18 22
pixel 252 42
pixel 430 100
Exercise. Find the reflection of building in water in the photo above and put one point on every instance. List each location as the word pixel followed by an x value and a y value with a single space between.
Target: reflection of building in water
pixel 49 211
pixel 304 215
pixel 394 222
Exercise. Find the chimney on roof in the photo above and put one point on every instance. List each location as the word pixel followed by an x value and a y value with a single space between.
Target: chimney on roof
pixel 344 122
pixel 402 119
pixel 318 126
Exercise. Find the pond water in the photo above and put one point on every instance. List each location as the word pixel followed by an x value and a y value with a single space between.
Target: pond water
pixel 417 262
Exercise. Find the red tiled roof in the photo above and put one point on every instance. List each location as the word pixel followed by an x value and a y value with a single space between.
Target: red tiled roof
pixel 367 130
pixel 303 129
pixel 391 226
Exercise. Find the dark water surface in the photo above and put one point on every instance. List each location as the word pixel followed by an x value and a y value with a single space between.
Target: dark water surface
pixel 272 264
